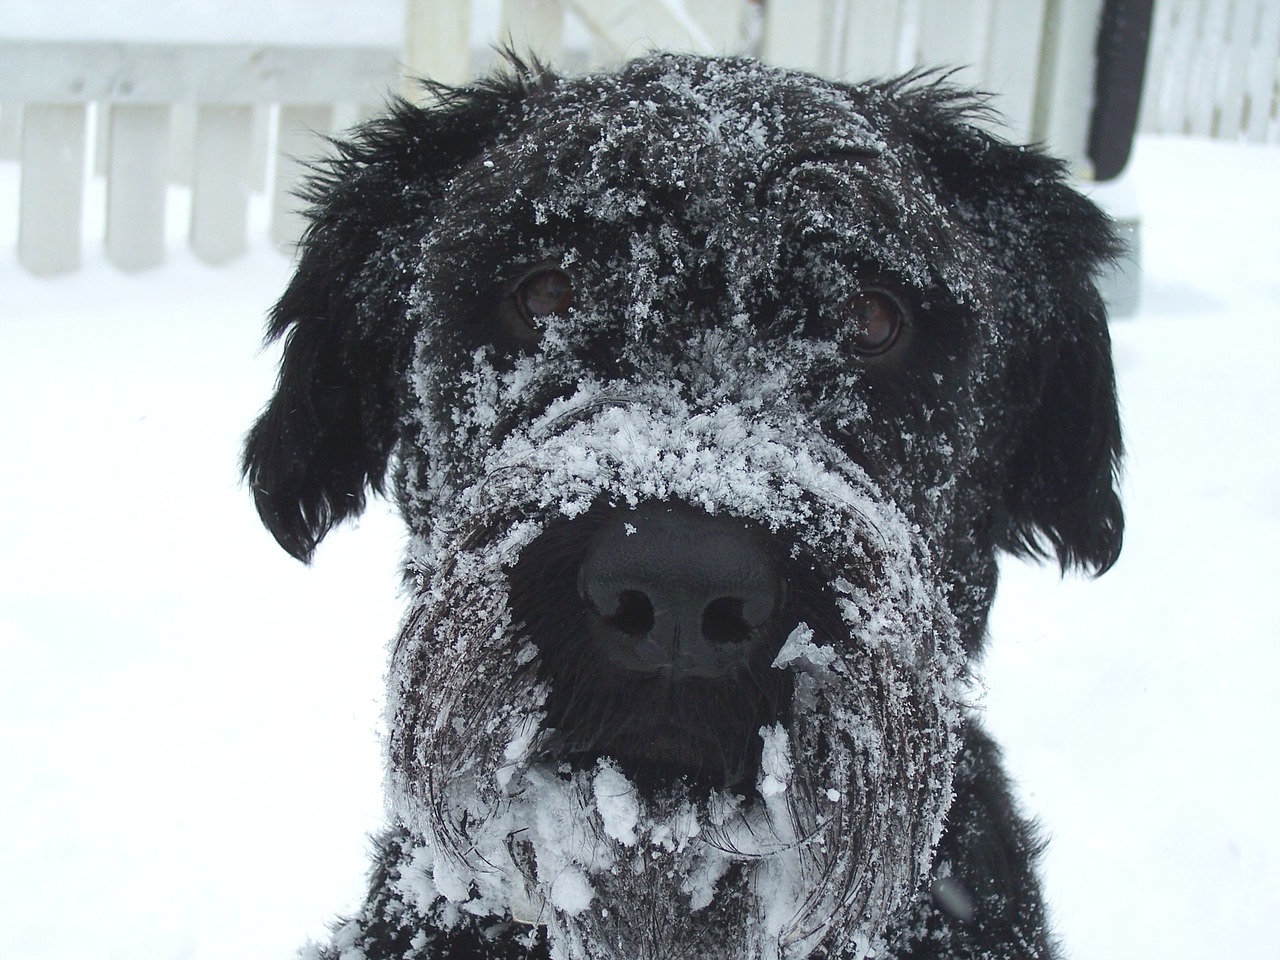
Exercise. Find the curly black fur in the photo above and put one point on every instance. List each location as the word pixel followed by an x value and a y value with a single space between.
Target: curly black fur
pixel 718 218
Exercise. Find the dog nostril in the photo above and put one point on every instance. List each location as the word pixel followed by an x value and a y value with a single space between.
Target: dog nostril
pixel 634 615
pixel 722 621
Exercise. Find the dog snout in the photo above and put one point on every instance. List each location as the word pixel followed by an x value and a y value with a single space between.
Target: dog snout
pixel 678 592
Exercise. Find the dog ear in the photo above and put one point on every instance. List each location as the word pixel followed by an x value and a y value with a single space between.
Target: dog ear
pixel 328 432
pixel 1062 478
pixel 1049 243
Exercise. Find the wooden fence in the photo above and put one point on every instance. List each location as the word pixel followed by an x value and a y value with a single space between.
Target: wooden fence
pixel 232 120
pixel 1214 70
pixel 203 115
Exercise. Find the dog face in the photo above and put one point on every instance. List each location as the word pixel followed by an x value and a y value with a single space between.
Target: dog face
pixel 712 392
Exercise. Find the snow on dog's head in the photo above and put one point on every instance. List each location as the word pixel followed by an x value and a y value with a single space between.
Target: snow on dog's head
pixel 611 330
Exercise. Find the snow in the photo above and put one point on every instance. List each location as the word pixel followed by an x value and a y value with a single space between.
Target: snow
pixel 1139 711
pixel 616 802
pixel 189 720
pixel 800 649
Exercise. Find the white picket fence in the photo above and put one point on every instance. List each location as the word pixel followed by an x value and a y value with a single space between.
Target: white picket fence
pixel 1214 70
pixel 203 115
pixel 234 120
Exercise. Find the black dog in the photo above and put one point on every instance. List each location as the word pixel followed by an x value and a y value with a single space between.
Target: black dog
pixel 712 391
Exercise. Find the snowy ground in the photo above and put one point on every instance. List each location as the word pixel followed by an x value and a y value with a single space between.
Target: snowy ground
pixel 189 757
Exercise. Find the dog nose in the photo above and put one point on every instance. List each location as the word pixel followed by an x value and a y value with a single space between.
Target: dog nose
pixel 675 591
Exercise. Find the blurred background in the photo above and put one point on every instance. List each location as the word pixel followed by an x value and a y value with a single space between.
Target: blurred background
pixel 189 720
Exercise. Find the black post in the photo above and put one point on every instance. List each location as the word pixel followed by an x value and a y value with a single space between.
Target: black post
pixel 1123 34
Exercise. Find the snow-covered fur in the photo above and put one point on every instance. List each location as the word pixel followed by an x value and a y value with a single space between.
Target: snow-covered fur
pixel 708 392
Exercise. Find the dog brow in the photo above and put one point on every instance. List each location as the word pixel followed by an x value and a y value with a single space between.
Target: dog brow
pixel 820 155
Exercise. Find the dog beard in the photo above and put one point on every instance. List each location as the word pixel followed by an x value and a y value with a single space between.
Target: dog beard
pixel 851 790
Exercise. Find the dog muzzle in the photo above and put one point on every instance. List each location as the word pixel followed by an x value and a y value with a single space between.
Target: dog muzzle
pixel 852 779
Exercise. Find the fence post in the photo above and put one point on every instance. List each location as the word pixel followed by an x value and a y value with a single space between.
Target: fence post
pixel 1264 78
pixel 954 34
pixel 722 21
pixel 869 41
pixel 1064 91
pixel 533 26
pixel 1011 62
pixel 297 142
pixel 798 34
pixel 220 182
pixel 50 202
pixel 437 43
pixel 136 183
pixel 10 130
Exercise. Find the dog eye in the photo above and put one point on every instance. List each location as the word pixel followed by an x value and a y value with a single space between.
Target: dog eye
pixel 878 320
pixel 543 293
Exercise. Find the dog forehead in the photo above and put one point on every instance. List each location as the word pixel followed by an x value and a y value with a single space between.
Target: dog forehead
pixel 686 126
pixel 742 107
pixel 726 174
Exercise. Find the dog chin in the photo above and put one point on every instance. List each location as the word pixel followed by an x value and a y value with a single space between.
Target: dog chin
pixel 612 869
pixel 613 872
